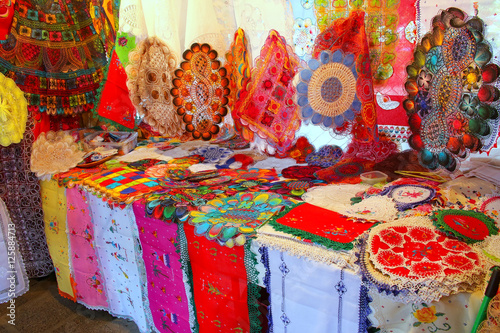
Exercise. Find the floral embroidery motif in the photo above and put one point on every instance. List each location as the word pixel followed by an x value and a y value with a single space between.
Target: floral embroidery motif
pixel 428 315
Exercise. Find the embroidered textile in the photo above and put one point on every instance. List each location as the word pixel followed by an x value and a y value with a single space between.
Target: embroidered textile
pixel 466 225
pixel 85 269
pixel 200 91
pixel 13 111
pixel 337 292
pixel 121 185
pixel 467 192
pixel 269 237
pixel 212 154
pixel 301 149
pixel 53 153
pixel 410 259
pixel 491 248
pixel 56 54
pixel 450 89
pixel 125 43
pixel 391 30
pixel 116 241
pixel 54 216
pixel 167 296
pixel 180 199
pixel 372 209
pixel 295 188
pixel 326 156
pixel 348 36
pixel 266 106
pixel 326 93
pixel 238 66
pixel 253 174
pixel 491 207
pixel 219 285
pixel 319 225
pixel 300 172
pixel 8 268
pixel 6 16
pixel 20 190
pixel 114 100
pixel 454 313
pixel 345 171
pixel 149 82
pixel 76 175
pixel 334 197
pixel 305 28
pixel 409 196
pixel 232 220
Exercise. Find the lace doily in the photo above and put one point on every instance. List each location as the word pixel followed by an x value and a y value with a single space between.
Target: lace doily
pixel 371 209
pixel 491 248
pixel 13 112
pixel 200 90
pixel 238 66
pixel 408 196
pixel 326 156
pixel 414 262
pixel 466 225
pixel 451 87
pixel 54 152
pixel 212 154
pixel 492 323
pixel 491 207
pixel 266 106
pixel 231 220
pixel 149 82
pixel 334 197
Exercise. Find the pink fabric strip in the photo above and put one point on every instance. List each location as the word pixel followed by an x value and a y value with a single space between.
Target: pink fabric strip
pixel 86 271
pixel 166 291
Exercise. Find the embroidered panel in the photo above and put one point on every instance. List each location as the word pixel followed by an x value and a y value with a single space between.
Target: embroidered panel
pixel 451 87
pixel 200 91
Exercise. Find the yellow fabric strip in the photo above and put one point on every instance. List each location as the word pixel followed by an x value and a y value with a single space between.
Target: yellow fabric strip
pixel 54 215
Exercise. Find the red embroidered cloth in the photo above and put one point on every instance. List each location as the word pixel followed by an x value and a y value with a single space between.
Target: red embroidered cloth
pixel 320 225
pixel 219 285
pixel 115 102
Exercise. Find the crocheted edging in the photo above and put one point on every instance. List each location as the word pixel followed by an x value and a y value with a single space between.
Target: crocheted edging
pixel 307 235
pixel 187 275
pixel 250 260
pixel 364 310
pixel 406 290
pixel 97 102
pixel 438 221
pixel 264 259
pixel 308 251
pixel 389 191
